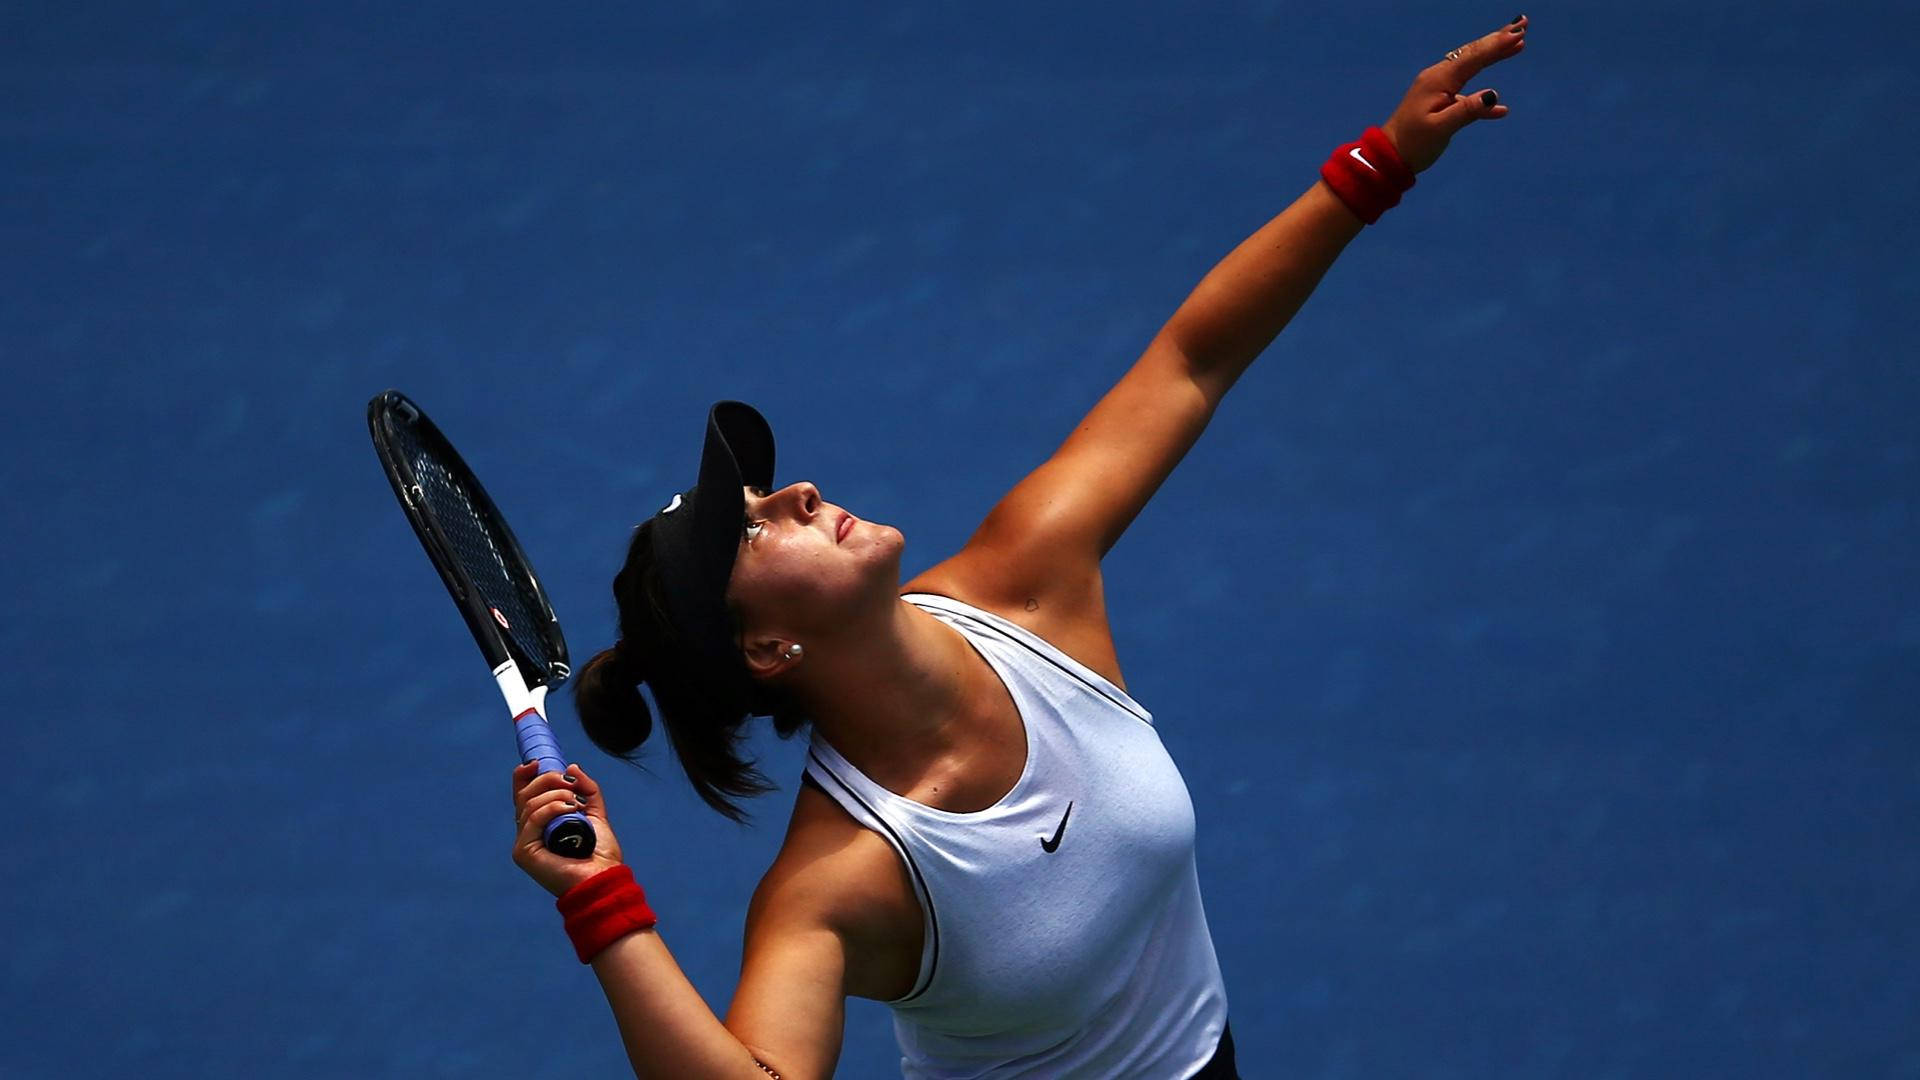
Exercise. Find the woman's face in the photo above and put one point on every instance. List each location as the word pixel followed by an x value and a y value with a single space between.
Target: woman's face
pixel 807 566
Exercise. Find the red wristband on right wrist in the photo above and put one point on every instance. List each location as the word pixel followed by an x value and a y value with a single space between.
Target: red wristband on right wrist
pixel 603 909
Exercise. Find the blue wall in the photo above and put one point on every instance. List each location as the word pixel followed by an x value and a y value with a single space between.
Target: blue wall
pixel 1537 627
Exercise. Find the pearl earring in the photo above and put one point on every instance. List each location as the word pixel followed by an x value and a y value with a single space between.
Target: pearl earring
pixel 793 651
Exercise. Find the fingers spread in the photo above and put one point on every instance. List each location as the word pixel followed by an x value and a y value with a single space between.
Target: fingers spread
pixel 1466 108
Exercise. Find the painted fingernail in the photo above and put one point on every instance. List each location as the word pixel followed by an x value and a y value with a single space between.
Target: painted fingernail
pixel 568 778
pixel 1489 99
pixel 1516 20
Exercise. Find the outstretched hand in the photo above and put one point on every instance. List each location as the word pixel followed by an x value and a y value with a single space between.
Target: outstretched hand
pixel 1434 108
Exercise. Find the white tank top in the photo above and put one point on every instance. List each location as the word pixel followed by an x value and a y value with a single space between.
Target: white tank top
pixel 1063 925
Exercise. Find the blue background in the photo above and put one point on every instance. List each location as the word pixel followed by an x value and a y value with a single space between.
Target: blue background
pixel 1537 626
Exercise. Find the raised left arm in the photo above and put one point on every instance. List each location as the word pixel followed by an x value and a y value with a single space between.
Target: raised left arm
pixel 1047 536
pixel 1077 504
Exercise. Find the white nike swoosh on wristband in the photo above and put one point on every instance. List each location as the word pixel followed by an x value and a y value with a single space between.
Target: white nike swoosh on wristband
pixel 1355 152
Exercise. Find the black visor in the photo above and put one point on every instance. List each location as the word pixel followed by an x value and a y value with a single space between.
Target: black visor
pixel 697 535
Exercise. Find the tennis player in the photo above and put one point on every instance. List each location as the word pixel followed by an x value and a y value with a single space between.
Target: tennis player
pixel 989 836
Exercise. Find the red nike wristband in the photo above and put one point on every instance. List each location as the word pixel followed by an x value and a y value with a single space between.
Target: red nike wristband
pixel 1368 175
pixel 603 909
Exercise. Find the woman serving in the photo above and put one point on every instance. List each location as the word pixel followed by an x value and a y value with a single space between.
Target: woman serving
pixel 989 836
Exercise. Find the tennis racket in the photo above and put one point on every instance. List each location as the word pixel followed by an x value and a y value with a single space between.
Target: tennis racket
pixel 491 580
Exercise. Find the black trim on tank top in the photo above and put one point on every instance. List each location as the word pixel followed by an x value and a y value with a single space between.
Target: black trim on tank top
pixel 1130 710
pixel 933 919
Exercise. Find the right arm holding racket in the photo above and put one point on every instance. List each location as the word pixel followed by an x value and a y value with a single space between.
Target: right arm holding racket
pixel 790 1005
pixel 790 1008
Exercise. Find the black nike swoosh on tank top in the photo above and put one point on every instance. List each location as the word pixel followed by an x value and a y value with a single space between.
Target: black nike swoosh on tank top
pixel 1054 844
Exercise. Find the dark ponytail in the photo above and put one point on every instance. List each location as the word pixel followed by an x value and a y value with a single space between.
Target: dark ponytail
pixel 611 709
pixel 706 733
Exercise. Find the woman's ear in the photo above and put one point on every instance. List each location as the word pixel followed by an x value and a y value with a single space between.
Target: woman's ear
pixel 769 656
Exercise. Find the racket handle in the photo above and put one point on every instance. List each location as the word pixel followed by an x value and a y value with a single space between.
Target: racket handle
pixel 570 835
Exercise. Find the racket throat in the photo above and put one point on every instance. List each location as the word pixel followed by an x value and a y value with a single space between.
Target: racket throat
pixel 520 698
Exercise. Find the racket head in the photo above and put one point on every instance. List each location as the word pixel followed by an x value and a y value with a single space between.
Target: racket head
pixel 469 543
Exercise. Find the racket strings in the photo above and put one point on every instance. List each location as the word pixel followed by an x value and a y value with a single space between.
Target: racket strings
pixel 502 583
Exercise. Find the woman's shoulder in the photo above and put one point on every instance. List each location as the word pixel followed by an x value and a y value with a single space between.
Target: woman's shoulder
pixel 1069 614
pixel 823 844
pixel 833 872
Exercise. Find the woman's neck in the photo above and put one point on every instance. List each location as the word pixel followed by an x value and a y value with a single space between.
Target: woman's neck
pixel 896 694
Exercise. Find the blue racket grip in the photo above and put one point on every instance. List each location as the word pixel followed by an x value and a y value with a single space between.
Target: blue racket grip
pixel 570 835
